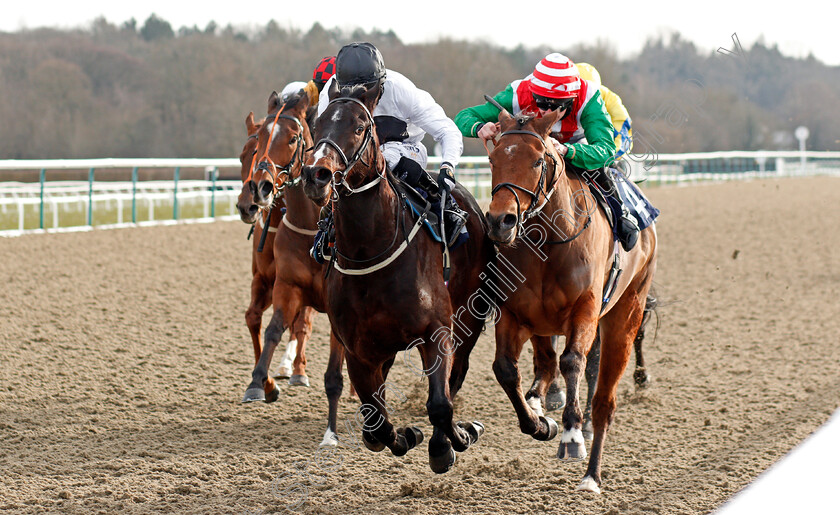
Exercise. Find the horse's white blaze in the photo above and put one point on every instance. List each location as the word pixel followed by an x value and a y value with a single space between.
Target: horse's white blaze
pixel 321 153
pixel 510 149
pixel 536 405
pixel 330 439
pixel 589 485
pixel 572 435
pixel 336 116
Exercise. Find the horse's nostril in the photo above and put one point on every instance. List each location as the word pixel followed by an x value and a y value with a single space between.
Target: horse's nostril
pixel 322 175
pixel 265 189
pixel 252 210
pixel 509 221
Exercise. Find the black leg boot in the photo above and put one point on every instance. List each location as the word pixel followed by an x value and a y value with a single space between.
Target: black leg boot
pixel 628 227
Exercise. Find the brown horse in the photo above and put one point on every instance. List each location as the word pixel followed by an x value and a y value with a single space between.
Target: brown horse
pixel 386 293
pixel 262 263
pixel 548 228
pixel 283 137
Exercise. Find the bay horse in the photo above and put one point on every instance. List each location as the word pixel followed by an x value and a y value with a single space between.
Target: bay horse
pixel 385 291
pixel 564 276
pixel 298 288
pixel 262 261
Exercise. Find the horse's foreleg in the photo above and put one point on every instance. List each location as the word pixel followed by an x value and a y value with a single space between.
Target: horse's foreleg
pixel 593 359
pixel 437 357
pixel 260 300
pixel 333 384
pixel 302 331
pixel 509 341
pixel 377 431
pixel 545 368
pixel 617 330
pixel 262 387
pixel 572 364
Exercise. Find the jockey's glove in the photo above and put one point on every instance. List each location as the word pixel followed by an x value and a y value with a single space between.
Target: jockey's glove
pixel 446 178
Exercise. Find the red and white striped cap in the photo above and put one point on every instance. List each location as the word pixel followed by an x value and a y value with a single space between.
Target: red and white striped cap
pixel 555 76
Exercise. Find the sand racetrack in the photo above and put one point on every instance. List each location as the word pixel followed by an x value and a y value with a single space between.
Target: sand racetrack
pixel 124 353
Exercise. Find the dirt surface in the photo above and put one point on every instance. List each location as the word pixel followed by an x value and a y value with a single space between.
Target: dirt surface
pixel 125 353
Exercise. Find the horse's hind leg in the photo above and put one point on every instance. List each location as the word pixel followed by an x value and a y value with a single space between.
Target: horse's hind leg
pixel 377 431
pixel 333 384
pixel 555 399
pixel 302 330
pixel 509 341
pixel 262 387
pixel 640 375
pixel 545 368
pixel 618 328
pixel 593 360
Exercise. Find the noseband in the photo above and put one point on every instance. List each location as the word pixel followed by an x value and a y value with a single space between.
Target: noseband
pixel 268 166
pixel 541 188
pixel 340 176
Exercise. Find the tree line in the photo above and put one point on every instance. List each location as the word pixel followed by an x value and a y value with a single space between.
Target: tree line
pixel 147 90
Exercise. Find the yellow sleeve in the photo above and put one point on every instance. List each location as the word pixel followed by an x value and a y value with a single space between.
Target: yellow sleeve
pixel 618 113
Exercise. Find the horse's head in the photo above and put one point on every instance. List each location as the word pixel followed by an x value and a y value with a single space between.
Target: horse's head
pixel 522 163
pixel 273 154
pixel 346 153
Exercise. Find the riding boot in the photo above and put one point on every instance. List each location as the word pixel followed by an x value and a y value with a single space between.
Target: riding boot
pixel 628 227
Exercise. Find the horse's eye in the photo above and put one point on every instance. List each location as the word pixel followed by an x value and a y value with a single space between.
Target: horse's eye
pixel 293 140
pixel 539 163
pixel 360 130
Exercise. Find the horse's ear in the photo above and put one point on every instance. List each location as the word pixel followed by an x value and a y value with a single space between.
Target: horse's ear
pixel 542 126
pixel 371 96
pixel 332 93
pixel 274 101
pixel 250 126
pixel 505 116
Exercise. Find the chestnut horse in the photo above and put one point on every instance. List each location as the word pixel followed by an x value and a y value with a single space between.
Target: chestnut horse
pixel 262 263
pixel 283 137
pixel 564 277
pixel 385 292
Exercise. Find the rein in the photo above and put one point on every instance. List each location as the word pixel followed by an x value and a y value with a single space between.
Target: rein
pixel 546 191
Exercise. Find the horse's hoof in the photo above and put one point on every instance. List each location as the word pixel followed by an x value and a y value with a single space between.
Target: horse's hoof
pixel 273 395
pixel 282 373
pixel 555 399
pixel 299 380
pixel 589 485
pixel 641 378
pixel 475 429
pixel 553 429
pixel 588 431
pixel 253 395
pixel 571 451
pixel 413 436
pixel 442 464
pixel 374 446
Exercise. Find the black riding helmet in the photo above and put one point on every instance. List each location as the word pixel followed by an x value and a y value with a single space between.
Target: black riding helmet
pixel 359 63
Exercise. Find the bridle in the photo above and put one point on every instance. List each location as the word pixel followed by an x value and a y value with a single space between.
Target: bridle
pixel 275 171
pixel 339 177
pixel 541 189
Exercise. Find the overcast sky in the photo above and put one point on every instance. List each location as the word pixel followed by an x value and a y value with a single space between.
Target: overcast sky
pixel 799 28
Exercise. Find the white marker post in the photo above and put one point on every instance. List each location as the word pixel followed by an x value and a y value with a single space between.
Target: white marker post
pixel 801 134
